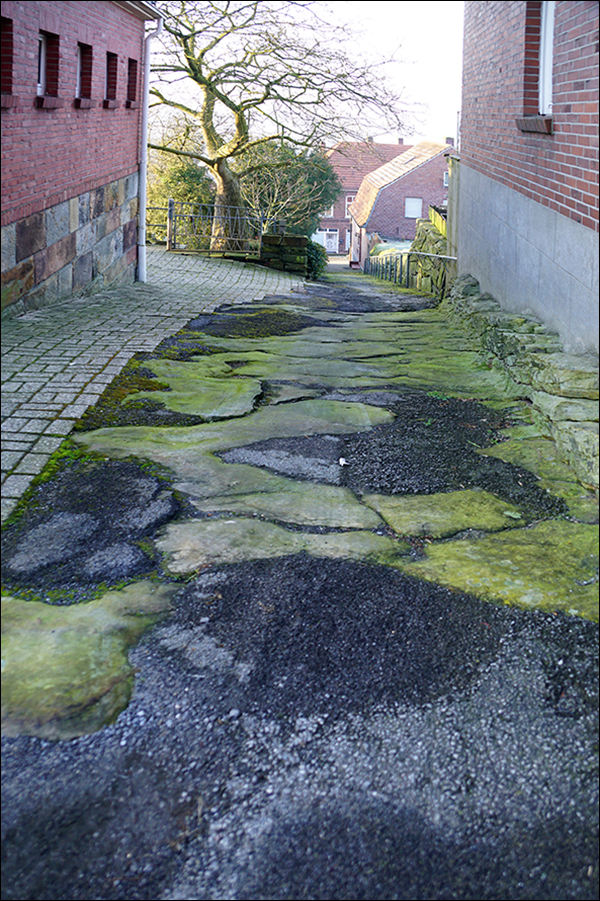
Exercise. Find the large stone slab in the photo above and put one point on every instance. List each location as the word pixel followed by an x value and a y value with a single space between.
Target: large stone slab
pixel 552 565
pixel 202 387
pixel 65 670
pixel 302 503
pixel 196 544
pixel 441 515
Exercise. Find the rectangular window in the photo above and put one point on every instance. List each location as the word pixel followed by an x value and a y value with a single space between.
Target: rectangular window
pixel 350 198
pixel 328 214
pixel 41 70
pixel 132 80
pixel 413 207
pixel 446 179
pixel 48 56
pixel 7 55
pixel 110 87
pixel 546 59
pixel 83 89
pixel 538 59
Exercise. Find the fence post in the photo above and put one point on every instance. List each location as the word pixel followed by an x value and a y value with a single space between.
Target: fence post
pixel 171 224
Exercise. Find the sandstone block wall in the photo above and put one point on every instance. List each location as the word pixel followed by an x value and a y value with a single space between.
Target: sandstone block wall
pixel 79 245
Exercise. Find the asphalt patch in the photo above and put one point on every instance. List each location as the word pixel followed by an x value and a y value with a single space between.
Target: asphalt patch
pixel 378 851
pixel 319 635
pixel 431 447
pixel 349 301
pixel 261 322
pixel 85 527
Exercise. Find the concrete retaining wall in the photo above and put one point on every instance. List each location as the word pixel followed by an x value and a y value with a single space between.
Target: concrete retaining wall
pixel 532 259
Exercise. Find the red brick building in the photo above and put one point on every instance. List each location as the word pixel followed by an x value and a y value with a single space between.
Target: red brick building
pixel 71 116
pixel 351 162
pixel 526 219
pixel 394 196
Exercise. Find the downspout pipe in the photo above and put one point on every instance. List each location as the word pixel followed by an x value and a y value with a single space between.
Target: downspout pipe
pixel 142 276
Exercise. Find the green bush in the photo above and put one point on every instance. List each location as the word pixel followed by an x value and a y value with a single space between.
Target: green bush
pixel 316 259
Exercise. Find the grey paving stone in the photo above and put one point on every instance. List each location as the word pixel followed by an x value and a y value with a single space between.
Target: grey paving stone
pixel 16 485
pixel 60 427
pixel 10 459
pixel 32 463
pixel 47 444
pixel 36 426
pixel 7 505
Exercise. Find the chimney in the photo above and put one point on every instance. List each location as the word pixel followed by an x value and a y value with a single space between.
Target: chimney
pixel 449 141
pixel 401 140
pixel 369 140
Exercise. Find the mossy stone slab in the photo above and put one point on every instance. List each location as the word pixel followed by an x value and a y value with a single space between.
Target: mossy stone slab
pixel 194 545
pixel 552 565
pixel 202 387
pixel 176 447
pixel 284 393
pixel 64 668
pixel 302 503
pixel 441 515
pixel 541 456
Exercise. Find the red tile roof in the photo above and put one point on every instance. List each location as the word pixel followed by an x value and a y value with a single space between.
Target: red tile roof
pixel 353 160
pixel 374 181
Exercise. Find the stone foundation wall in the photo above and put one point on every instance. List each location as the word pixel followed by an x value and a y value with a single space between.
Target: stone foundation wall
pixel 429 276
pixel 562 388
pixel 285 252
pixel 78 246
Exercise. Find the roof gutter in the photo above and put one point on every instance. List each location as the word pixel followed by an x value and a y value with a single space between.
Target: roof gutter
pixel 143 203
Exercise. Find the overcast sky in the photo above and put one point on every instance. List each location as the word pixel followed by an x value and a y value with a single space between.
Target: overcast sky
pixel 429 35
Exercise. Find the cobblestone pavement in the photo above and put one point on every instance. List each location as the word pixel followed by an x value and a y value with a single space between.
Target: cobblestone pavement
pixel 56 361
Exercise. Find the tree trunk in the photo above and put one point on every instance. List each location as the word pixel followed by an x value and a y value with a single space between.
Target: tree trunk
pixel 230 226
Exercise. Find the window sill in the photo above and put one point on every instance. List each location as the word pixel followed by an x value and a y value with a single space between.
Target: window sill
pixel 84 103
pixel 48 102
pixel 7 101
pixel 132 104
pixel 540 124
pixel 110 104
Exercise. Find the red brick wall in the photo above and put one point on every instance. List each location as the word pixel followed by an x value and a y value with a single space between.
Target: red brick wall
pixel 559 170
pixel 426 182
pixel 52 155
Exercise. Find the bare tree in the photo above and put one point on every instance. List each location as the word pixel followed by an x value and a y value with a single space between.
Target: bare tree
pixel 253 72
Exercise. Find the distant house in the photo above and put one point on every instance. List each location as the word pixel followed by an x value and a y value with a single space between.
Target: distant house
pixel 525 220
pixel 394 196
pixel 71 116
pixel 351 161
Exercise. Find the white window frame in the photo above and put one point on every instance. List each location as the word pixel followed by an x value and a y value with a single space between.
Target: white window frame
pixel 78 77
pixel 328 214
pixel 42 63
pixel 446 179
pixel 546 58
pixel 350 198
pixel 410 205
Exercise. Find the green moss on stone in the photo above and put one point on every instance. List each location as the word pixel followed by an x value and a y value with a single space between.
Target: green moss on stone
pixel 64 669
pixel 552 565
pixel 441 515
pixel 197 544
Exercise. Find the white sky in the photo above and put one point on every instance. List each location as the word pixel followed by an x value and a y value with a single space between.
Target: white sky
pixel 429 35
